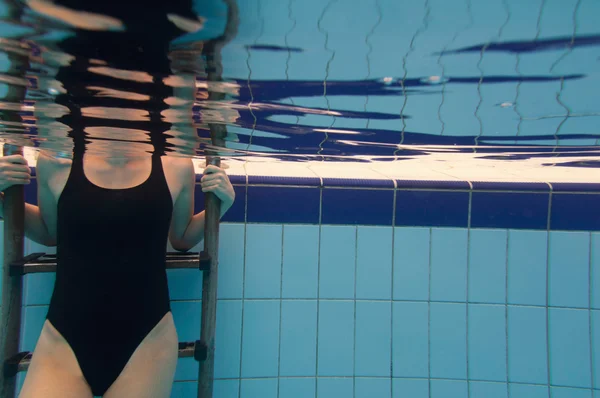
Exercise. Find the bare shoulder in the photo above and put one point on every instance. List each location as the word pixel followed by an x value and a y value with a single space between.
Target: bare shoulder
pixel 48 165
pixel 180 175
pixel 180 168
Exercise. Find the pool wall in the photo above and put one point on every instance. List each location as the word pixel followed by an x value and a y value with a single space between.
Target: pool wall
pixel 383 288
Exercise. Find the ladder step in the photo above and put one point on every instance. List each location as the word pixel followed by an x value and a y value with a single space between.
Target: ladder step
pixel 20 362
pixel 41 262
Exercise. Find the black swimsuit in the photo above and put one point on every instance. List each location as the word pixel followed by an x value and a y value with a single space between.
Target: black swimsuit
pixel 111 285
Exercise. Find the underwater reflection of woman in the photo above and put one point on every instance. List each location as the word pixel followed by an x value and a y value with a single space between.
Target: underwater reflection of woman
pixel 109 330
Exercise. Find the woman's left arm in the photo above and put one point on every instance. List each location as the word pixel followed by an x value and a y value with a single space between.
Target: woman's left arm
pixel 187 229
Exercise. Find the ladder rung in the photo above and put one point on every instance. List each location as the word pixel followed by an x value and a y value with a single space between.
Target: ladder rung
pixel 40 262
pixel 20 362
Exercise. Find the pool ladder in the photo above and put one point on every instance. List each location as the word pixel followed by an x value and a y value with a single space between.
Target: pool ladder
pixel 45 263
pixel 16 265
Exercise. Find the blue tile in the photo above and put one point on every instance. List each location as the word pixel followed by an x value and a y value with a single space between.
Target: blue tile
pixel 373 338
pixel 351 207
pixel 448 336
pixel 334 387
pixel 487 342
pixel 186 389
pixel 424 184
pixel 283 205
pixel 298 353
pixel 263 261
pixel 260 344
pixel 275 180
pixel 237 212
pixel 479 389
pixel 374 263
pixel 336 338
pixel 32 324
pixel 563 392
pixel 411 263
pixel 528 391
pixel 575 187
pixel 595 281
pixel 34 247
pixel 411 335
pixel 231 261
pixel 37 288
pixel 264 388
pixel 432 208
pixel 187 316
pixel 527 359
pixel 413 388
pixel 300 261
pixel 449 389
pixel 228 339
pixel 575 212
pixel 527 260
pixel 596 347
pixel 31 192
pixel 199 199
pixel 20 381
pixel 185 284
pixel 568 269
pixel 357 183
pixel 487 266
pixel 297 387
pixel 369 388
pixel 569 347
pixel 224 389
pixel 449 264
pixel 509 186
pixel 509 210
pixel 187 369
pixel 337 261
pixel 235 179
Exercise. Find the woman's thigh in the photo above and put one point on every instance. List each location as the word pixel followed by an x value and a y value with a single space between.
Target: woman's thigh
pixel 150 371
pixel 54 371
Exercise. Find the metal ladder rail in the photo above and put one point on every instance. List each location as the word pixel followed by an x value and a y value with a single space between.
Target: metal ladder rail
pixel 218 133
pixel 14 220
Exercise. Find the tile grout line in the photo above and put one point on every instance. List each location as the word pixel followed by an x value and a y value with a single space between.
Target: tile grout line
pixel 243 288
pixel 377 301
pixel 506 341
pixel 355 323
pixel 280 311
pixel 548 242
pixel 392 291
pixel 398 378
pixel 467 288
pixel 318 288
pixel 590 318
pixel 430 230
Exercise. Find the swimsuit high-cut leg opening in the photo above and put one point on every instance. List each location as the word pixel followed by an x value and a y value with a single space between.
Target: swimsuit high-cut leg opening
pixel 150 371
pixel 54 371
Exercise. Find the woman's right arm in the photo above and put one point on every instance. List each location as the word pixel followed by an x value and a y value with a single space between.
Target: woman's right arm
pixel 40 221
